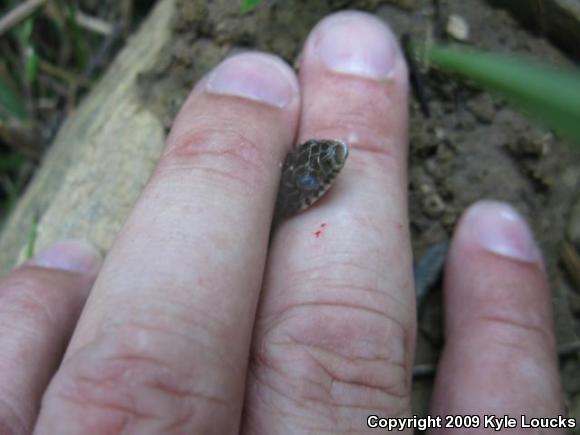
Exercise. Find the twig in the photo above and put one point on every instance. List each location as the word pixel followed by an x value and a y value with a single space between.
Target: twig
pixel 439 21
pixel 416 77
pixel 19 14
pixel 93 24
pixel 424 371
pixel 62 74
pixel 62 91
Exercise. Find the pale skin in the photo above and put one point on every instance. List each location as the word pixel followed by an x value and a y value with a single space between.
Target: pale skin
pixel 196 324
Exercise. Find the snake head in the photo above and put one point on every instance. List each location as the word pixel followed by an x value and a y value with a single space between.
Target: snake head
pixel 308 173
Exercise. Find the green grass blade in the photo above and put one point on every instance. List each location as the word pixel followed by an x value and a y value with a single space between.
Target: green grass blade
pixel 31 64
pixel 31 60
pixel 249 5
pixel 549 93
pixel 75 35
pixel 11 103
pixel 24 31
pixel 31 239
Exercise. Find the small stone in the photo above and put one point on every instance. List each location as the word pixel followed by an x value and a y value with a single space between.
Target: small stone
pixel 449 219
pixel 426 189
pixel 457 27
pixel 434 205
pixel 440 134
pixel 532 146
pixel 432 167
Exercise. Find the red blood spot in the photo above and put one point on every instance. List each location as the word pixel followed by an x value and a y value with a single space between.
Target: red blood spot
pixel 318 233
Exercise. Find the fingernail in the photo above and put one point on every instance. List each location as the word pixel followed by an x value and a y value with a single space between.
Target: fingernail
pixel 497 227
pixel 255 76
pixel 355 43
pixel 69 255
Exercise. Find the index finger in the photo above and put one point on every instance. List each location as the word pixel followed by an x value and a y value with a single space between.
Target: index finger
pixel 163 342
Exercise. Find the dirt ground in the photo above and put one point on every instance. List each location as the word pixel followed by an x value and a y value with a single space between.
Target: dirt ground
pixel 471 146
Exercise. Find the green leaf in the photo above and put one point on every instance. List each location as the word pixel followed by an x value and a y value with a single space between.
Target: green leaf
pixel 31 64
pixel 75 34
pixel 549 93
pixel 11 103
pixel 249 5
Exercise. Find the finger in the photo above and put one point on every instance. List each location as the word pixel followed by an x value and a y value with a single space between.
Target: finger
pixel 162 346
pixel 500 355
pixel 39 305
pixel 336 325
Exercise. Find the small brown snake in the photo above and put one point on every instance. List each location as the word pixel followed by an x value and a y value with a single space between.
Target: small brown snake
pixel 307 174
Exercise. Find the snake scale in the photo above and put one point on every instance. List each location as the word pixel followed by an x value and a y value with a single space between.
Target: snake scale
pixel 307 174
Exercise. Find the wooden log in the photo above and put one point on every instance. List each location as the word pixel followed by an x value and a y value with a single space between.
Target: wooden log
pixel 101 158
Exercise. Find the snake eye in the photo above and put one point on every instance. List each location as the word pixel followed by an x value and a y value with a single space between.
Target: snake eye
pixel 340 154
pixel 308 182
pixel 336 154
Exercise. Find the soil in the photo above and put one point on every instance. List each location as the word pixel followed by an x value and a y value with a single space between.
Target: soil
pixel 472 145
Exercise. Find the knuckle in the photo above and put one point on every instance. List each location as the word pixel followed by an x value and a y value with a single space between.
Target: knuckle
pixel 340 350
pixel 370 123
pixel 216 151
pixel 122 385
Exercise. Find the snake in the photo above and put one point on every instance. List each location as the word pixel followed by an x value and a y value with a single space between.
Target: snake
pixel 308 173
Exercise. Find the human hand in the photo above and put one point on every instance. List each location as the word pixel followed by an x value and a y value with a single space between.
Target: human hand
pixel 196 324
